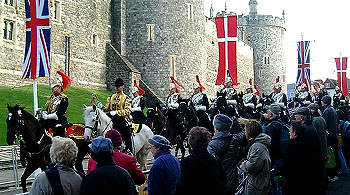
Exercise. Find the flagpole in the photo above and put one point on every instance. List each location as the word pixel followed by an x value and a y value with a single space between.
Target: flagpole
pixel 35 96
pixel 341 73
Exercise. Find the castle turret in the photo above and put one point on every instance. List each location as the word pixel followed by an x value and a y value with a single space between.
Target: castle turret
pixel 265 33
pixel 253 11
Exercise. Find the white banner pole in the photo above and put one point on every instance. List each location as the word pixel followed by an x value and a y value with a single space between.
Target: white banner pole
pixel 35 96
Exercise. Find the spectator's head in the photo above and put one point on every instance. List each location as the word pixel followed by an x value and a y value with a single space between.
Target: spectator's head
pixel 101 149
pixel 222 122
pixel 297 129
pixel 158 142
pixel 303 115
pixel 326 100
pixel 115 137
pixel 273 112
pixel 199 138
pixel 63 151
pixel 252 129
pixel 314 109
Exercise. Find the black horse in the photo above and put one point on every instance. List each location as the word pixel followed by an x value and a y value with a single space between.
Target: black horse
pixel 155 119
pixel 24 126
pixel 187 119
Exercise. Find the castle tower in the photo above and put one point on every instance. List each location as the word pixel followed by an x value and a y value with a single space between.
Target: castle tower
pixel 265 33
pixel 165 39
pixel 253 7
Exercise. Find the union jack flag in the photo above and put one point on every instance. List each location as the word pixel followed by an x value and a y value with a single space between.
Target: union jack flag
pixel 37 50
pixel 304 64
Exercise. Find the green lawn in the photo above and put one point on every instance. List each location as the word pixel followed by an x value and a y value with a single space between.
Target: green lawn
pixel 24 97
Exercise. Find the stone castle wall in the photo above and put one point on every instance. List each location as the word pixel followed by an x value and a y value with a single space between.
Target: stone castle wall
pixel 174 34
pixel 79 20
pixel 245 69
pixel 265 34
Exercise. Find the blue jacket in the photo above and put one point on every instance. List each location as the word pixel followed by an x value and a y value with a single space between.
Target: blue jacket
pixel 330 116
pixel 164 174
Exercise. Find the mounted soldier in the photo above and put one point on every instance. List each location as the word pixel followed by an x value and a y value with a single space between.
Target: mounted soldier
pixel 229 91
pixel 249 99
pixel 200 102
pixel 338 98
pixel 119 104
pixel 138 104
pixel 53 117
pixel 172 104
pixel 278 96
pixel 304 98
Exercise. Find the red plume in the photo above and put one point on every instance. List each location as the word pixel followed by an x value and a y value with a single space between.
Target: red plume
pixel 316 89
pixel 257 90
pixel 141 91
pixel 250 82
pixel 176 82
pixel 278 79
pixel 200 85
pixel 65 80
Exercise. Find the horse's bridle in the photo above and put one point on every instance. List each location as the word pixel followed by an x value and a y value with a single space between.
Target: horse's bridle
pixel 97 120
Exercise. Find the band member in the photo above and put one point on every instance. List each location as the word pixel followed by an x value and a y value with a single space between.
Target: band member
pixel 138 104
pixel 119 104
pixel 278 96
pixel 56 106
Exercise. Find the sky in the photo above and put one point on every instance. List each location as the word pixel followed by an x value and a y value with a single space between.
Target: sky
pixel 323 22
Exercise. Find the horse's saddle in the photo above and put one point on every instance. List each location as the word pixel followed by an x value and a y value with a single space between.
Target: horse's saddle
pixel 74 131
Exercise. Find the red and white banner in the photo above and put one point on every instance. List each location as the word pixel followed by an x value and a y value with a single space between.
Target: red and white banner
pixel 227 40
pixel 342 65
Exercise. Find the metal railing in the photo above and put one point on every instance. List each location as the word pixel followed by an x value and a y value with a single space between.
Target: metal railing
pixel 9 157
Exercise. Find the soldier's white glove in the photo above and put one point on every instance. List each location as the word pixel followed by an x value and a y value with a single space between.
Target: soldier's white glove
pixel 99 105
pixel 231 102
pixel 49 116
pixel 200 108
pixel 175 105
pixel 249 105
pixel 113 112
pixel 136 109
pixel 259 105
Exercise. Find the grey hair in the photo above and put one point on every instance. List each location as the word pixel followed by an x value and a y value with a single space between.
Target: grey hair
pixel 63 151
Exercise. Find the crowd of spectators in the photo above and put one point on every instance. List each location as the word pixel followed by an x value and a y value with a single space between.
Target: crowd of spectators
pixel 249 158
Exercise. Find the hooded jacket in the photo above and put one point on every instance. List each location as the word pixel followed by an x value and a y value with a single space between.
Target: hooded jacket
pixel 257 166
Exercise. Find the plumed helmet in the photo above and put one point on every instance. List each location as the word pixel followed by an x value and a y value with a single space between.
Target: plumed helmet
pixel 134 89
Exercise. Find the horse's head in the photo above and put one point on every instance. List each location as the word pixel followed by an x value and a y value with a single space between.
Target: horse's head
pixel 14 123
pixel 90 120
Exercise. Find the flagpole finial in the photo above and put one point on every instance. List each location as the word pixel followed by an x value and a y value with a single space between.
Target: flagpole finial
pixel 225 7
pixel 302 36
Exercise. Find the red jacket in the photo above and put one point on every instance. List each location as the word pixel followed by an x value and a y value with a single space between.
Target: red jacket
pixel 125 161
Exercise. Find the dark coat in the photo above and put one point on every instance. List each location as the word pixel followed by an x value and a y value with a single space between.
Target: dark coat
pixel 315 163
pixel 273 129
pixel 321 129
pixel 330 116
pixel 108 178
pixel 226 148
pixel 164 174
pixel 296 167
pixel 200 174
pixel 125 161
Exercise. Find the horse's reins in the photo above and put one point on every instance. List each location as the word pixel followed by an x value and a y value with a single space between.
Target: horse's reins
pixel 97 122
